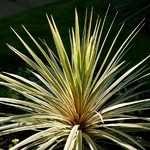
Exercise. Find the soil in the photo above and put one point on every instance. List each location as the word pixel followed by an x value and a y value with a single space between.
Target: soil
pixel 6 140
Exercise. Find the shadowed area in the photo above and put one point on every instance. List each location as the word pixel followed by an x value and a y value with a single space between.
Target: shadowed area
pixel 11 7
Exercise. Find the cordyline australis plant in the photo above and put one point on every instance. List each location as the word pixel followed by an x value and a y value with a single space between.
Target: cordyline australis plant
pixel 78 107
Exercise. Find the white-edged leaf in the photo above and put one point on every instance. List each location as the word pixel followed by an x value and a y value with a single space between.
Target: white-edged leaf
pixel 71 138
